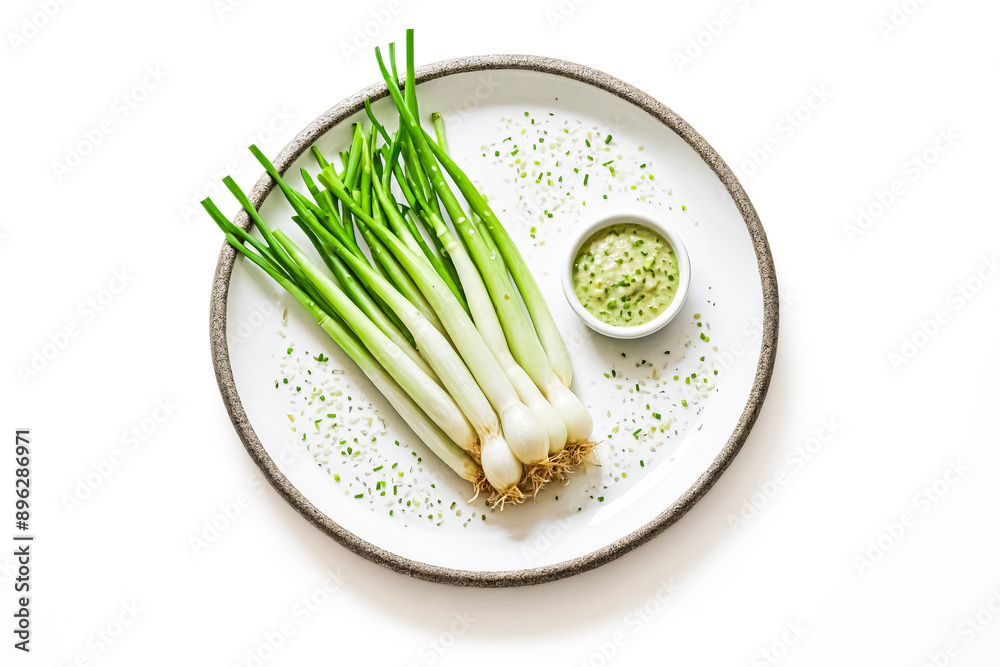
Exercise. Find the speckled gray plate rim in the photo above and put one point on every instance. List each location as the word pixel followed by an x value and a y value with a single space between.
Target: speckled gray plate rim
pixel 493 579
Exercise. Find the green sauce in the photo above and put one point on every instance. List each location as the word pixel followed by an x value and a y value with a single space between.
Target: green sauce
pixel 625 275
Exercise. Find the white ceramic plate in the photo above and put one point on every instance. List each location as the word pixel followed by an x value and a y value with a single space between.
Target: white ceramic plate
pixel 647 478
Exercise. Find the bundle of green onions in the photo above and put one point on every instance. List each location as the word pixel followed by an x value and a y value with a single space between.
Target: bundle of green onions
pixel 437 327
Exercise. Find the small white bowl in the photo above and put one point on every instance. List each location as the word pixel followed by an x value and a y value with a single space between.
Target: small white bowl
pixel 683 266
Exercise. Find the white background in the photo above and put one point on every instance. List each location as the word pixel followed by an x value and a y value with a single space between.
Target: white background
pixel 225 73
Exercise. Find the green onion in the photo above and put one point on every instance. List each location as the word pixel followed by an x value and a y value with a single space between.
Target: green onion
pixel 432 317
